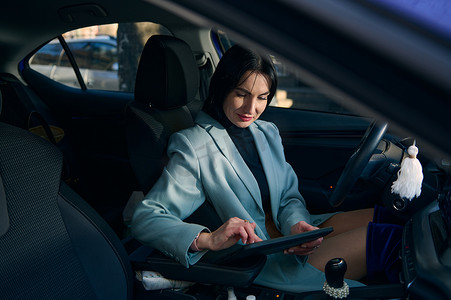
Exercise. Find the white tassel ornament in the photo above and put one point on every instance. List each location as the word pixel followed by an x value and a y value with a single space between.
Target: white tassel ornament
pixel 410 176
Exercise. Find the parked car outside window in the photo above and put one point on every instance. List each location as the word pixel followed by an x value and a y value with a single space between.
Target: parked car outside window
pixel 96 55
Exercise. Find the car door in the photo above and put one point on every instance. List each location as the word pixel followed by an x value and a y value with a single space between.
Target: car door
pixel 318 145
pixel 94 122
pixel 92 113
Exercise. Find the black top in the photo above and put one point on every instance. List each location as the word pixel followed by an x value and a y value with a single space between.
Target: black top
pixel 244 142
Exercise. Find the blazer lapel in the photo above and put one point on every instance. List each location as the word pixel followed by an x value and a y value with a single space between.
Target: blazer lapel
pixel 228 149
pixel 267 161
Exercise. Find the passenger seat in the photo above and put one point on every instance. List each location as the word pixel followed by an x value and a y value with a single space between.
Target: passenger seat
pixel 167 84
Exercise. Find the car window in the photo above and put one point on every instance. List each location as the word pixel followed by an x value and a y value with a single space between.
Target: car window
pixel 106 56
pixel 51 60
pixel 291 92
pixel 49 54
pixel 81 51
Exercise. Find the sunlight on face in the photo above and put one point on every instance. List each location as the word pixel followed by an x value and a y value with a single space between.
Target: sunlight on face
pixel 244 104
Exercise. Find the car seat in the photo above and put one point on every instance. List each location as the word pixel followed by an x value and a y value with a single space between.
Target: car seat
pixel 24 109
pixel 167 81
pixel 53 245
pixel 166 88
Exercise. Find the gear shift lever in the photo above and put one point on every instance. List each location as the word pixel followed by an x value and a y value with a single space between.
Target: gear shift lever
pixel 335 286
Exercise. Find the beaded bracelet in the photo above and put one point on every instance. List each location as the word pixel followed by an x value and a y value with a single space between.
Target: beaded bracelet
pixel 337 293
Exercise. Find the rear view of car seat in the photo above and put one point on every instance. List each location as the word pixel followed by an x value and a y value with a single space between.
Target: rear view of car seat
pixel 167 83
pixel 53 245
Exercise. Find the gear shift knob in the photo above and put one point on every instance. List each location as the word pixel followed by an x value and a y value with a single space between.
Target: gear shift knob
pixel 335 286
pixel 335 272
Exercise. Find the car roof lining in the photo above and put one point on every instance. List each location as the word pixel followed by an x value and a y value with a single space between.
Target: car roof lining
pixel 21 37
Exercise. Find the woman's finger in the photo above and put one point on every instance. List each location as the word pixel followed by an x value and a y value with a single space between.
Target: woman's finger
pixel 304 249
pixel 313 243
pixel 250 229
pixel 243 233
pixel 231 232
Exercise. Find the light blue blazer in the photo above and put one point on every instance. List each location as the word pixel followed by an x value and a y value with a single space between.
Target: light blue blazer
pixel 205 165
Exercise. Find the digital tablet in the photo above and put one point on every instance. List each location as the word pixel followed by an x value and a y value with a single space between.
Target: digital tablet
pixel 271 246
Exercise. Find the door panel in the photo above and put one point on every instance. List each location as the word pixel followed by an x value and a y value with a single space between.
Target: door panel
pixel 318 145
pixel 94 121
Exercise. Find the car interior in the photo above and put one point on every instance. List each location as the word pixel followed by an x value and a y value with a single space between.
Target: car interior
pixel 75 160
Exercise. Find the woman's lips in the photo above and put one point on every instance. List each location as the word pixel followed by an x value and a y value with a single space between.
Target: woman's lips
pixel 244 118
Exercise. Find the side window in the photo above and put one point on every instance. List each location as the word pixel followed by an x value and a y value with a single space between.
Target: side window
pixel 51 60
pixel 291 91
pixel 49 55
pixel 82 52
pixel 106 56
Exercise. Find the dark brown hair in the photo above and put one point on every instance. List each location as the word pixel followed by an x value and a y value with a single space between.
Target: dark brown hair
pixel 229 74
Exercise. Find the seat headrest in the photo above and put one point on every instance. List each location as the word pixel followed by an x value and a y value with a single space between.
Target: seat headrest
pixel 167 75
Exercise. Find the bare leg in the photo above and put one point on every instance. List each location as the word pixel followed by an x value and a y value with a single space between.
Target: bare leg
pixel 349 220
pixel 347 241
pixel 350 245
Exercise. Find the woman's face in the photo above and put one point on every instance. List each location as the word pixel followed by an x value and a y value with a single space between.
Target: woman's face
pixel 244 104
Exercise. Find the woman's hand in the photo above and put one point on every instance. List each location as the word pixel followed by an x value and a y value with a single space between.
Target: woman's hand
pixel 228 235
pixel 306 248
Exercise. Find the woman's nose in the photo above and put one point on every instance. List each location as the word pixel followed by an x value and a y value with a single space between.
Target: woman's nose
pixel 249 105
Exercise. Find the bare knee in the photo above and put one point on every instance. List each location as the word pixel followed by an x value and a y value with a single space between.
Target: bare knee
pixel 351 246
pixel 350 220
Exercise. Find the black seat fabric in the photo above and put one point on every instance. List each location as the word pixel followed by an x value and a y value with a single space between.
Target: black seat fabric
pixel 24 109
pixel 167 83
pixel 53 245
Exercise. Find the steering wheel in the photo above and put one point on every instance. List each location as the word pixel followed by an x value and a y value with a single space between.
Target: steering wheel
pixel 357 162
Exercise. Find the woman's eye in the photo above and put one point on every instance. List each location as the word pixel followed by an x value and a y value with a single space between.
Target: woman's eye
pixel 240 95
pixel 262 98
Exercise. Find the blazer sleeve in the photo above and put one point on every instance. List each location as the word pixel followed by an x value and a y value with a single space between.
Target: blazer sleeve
pixel 157 220
pixel 292 207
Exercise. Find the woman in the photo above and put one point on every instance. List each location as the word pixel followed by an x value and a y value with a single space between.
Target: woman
pixel 237 163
